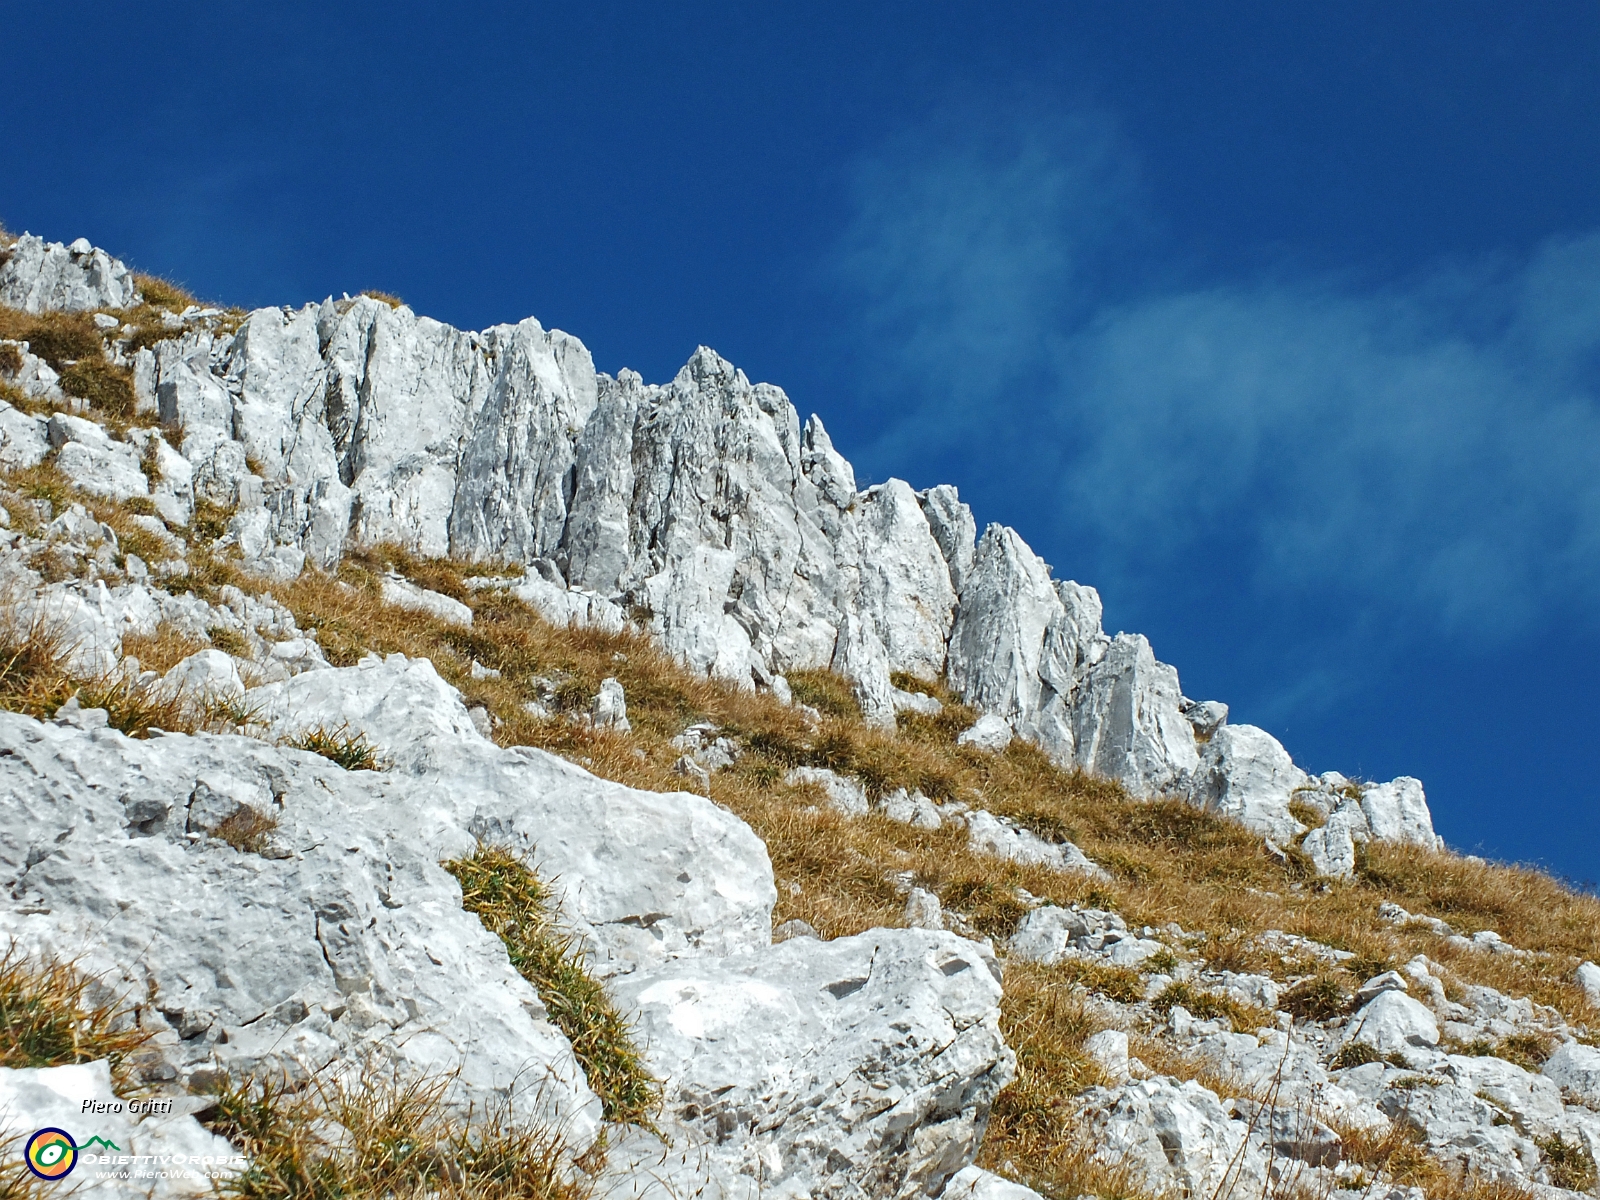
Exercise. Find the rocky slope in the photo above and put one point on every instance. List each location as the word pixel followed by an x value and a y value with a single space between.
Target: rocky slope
pixel 703 507
pixel 705 512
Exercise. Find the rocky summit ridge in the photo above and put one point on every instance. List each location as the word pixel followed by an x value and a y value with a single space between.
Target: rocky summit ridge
pixel 703 508
pixel 704 512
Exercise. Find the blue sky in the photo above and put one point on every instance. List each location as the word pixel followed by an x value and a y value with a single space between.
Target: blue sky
pixel 1280 324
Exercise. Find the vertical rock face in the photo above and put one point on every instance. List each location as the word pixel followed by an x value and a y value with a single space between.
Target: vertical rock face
pixel 703 508
pixel 36 276
pixel 1007 604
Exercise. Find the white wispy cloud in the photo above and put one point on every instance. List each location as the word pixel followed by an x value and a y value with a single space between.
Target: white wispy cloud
pixel 1418 451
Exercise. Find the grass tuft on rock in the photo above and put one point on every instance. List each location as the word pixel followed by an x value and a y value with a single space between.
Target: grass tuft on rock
pixel 515 906
pixel 381 1137
pixel 35 680
pixel 52 1015
pixel 340 744
pixel 107 388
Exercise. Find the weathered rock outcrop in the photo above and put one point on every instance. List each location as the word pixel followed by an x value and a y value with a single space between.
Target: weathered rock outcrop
pixel 703 508
pixel 773 1058
pixel 37 276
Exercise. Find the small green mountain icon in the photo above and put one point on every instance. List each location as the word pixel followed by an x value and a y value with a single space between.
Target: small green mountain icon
pixel 99 1141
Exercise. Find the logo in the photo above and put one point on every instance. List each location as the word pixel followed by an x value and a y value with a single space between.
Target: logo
pixel 52 1154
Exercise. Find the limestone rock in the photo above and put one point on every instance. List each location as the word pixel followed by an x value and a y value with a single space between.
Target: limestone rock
pixel 1398 812
pixel 917 702
pixel 1174 1135
pixel 1007 603
pixel 1207 716
pixel 1576 1068
pixel 1246 774
pixel 911 808
pixel 1389 981
pixel 1462 1128
pixel 988 732
pixel 33 376
pixel 1331 848
pixel 1532 1101
pixel 86 455
pixel 974 1183
pixel 23 439
pixel 207 678
pixel 923 910
pixel 402 593
pixel 1049 934
pixel 989 834
pixel 610 709
pixel 1393 1023
pixel 950 521
pixel 364 943
pixel 843 792
pixel 543 588
pixel 702 509
pixel 40 276
pixel 1126 724
pixel 1109 1048
pixel 861 1066
pixel 570 822
pixel 1588 976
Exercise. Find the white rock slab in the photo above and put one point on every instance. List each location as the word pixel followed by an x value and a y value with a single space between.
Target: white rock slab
pixel 40 276
pixel 1393 1023
pixel 402 593
pixel 860 1066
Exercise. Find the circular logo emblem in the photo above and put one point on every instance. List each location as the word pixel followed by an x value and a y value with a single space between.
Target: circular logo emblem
pixel 52 1154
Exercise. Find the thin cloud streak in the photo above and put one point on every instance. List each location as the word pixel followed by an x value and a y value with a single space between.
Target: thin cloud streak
pixel 1424 453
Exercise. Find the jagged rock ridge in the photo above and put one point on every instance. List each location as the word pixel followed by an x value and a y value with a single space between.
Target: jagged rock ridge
pixel 703 507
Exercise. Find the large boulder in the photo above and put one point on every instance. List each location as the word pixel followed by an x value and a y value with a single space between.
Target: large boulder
pixel 1174 1136
pixel 1127 720
pixel 116 849
pixel 1007 603
pixel 1575 1068
pixel 864 1066
pixel 641 876
pixel 1393 1023
pixel 1246 774
pixel 1397 811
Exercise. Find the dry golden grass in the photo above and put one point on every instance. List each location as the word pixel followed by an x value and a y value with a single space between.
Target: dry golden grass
pixel 1168 862
pixel 52 1015
pixel 383 1137
pixel 164 649
pixel 163 294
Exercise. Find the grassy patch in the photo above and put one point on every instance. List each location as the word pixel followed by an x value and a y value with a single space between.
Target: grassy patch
pixel 34 680
pixel 107 388
pixel 1569 1163
pixel 381 1138
pixel 514 905
pixel 1034 1126
pixel 1210 1005
pixel 57 337
pixel 826 692
pixel 392 301
pixel 1359 1054
pixel 50 1018
pixel 1316 999
pixel 247 829
pixel 163 294
pixel 349 749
